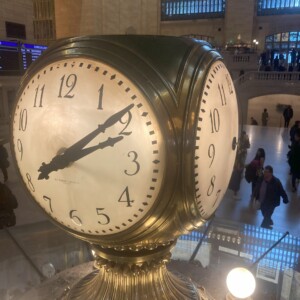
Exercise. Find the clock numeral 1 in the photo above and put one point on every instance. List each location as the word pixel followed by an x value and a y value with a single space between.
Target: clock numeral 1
pixel 100 97
pixel 215 120
pixel 222 95
pixel 41 96
pixel 69 84
pixel 105 219
pixel 46 198
pixel 76 220
pixel 126 198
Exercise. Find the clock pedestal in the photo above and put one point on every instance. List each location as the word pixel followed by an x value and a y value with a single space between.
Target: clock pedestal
pixel 134 275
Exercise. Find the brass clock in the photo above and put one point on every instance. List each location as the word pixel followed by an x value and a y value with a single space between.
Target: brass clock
pixel 127 142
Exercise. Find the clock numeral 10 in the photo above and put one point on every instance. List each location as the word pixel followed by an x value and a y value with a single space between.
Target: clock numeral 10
pixel 23 120
pixel 215 120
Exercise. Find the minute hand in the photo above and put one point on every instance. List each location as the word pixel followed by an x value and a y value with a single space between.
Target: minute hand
pixel 101 128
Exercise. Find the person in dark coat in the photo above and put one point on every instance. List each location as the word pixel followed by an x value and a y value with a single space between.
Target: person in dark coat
pixel 288 115
pixel 294 159
pixel 8 203
pixel 268 191
pixel 4 163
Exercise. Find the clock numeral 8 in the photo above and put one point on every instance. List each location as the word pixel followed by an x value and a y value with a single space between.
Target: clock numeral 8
pixel 29 182
pixel 211 186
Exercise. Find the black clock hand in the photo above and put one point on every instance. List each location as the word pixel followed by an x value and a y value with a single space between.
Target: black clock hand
pixel 62 161
pixel 101 128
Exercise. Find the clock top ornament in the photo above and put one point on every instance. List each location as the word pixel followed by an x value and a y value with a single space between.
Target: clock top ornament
pixel 126 141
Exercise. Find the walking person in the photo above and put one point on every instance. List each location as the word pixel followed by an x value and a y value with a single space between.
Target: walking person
pixel 4 163
pixel 264 117
pixel 288 115
pixel 294 159
pixel 268 191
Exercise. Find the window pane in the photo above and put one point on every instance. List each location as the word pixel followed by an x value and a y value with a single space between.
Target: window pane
pixel 285 36
pixel 269 38
pixel 277 37
pixel 293 36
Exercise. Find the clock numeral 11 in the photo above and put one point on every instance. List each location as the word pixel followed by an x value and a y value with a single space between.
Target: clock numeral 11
pixel 41 96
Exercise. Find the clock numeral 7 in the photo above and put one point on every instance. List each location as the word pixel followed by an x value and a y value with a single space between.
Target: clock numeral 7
pixel 46 198
pixel 105 219
pixel 69 84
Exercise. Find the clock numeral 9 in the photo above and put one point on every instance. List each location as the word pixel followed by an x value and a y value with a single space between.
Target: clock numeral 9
pixel 69 84
pixel 215 120
pixel 134 160
pixel 76 220
pixel 104 217
pixel 211 153
pixel 23 120
pixel 20 148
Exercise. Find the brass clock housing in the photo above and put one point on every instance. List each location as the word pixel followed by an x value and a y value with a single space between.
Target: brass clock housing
pixel 166 111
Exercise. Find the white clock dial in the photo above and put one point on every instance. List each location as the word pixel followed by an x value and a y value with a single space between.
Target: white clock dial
pixel 88 146
pixel 216 131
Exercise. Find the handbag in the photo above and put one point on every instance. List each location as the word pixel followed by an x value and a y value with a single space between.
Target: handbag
pixel 256 204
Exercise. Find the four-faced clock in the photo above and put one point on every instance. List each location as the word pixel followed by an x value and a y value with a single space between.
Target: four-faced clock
pixel 88 146
pixel 215 144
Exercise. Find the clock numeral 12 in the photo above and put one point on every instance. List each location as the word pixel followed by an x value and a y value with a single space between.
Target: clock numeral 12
pixel 69 83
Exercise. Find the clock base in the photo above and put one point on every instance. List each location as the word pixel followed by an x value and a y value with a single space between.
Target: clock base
pixel 135 277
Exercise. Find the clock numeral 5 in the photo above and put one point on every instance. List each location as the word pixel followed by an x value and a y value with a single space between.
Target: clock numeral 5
pixel 69 84
pixel 105 219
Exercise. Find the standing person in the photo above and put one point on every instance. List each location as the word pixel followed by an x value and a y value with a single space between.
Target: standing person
pixel 288 115
pixel 294 159
pixel 256 167
pixel 268 191
pixel 4 163
pixel 264 117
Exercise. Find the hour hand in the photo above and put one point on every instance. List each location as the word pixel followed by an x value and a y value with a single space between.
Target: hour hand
pixel 63 160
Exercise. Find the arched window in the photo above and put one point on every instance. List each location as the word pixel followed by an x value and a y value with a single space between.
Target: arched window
pixel 191 9
pixel 278 7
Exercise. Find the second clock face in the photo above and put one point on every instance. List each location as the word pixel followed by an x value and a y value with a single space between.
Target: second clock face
pixel 216 132
pixel 88 146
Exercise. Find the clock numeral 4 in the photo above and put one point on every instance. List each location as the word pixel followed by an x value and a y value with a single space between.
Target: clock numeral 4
pixel 126 198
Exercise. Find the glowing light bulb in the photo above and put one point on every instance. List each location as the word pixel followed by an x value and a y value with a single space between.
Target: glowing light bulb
pixel 241 283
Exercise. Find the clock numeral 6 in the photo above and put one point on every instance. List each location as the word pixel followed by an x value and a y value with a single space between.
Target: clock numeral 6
pixel 104 217
pixel 76 220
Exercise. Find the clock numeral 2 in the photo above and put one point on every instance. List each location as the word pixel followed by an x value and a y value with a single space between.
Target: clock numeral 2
pixel 68 84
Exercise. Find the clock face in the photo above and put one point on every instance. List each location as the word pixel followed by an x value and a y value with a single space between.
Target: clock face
pixel 88 146
pixel 216 130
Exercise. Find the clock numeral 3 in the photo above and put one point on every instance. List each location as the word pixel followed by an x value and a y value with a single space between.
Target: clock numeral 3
pixel 23 120
pixel 68 84
pixel 76 220
pixel 134 160
pixel 126 198
pixel 104 217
